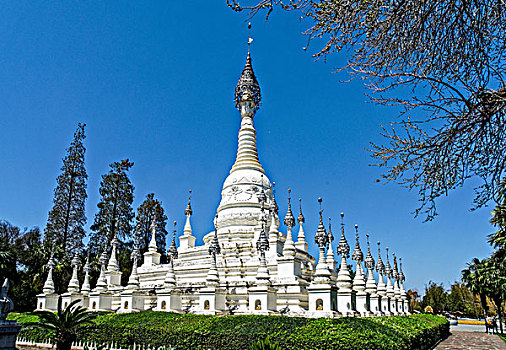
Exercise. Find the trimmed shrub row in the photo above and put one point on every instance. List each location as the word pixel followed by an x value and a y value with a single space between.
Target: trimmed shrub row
pixel 162 329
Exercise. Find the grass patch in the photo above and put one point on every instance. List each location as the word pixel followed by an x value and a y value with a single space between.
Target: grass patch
pixel 164 329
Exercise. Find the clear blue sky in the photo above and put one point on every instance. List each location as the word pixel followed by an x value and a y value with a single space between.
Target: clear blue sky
pixel 154 82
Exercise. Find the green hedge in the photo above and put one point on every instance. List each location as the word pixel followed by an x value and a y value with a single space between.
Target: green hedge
pixel 162 329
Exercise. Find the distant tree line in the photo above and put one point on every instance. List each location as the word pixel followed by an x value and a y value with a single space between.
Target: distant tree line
pixel 482 291
pixel 25 252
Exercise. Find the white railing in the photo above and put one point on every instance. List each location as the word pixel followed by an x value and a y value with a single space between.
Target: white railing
pixel 79 345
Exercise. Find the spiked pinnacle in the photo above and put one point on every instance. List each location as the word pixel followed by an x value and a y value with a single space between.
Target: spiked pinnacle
pixel 322 273
pixel 188 211
pixel 288 247
pixel 73 286
pixel 301 236
pixel 370 286
pixel 357 253
pixel 172 251
pixel 380 267
pixel 172 254
pixel 289 219
pixel 214 248
pixel 344 281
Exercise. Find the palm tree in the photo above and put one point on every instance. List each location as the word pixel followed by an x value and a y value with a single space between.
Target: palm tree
pixel 488 278
pixel 66 323
pixel 473 277
pixel 498 239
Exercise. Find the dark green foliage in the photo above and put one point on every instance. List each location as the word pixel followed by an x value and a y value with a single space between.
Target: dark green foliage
pixel 65 325
pixel 498 238
pixel 64 231
pixel 115 213
pixel 487 278
pixel 143 220
pixel 265 344
pixel 22 259
pixel 436 297
pixel 460 301
pixel 160 329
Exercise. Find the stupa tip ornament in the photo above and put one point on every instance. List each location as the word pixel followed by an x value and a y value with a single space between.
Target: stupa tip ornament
pixel 380 267
pixel 343 248
pixel 300 218
pixel 247 88
pixel 329 233
pixel 388 268
pixel 402 278
pixel 369 260
pixel 188 211
pixel 357 253
pixel 172 251
pixel 214 246
pixel 289 219
pixel 274 204
pixel 321 237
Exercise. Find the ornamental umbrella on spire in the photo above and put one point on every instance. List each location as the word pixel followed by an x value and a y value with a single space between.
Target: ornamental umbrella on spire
pixel 344 281
pixel 321 237
pixel 188 211
pixel 369 260
pixel 331 236
pixel 380 267
pixel 402 278
pixel 288 247
pixel 274 205
pixel 322 273
pixel 172 251
pixel 247 88
pixel 343 248
pixel 388 268
pixel 289 219
pixel 357 255
pixel 170 277
pixel 300 218
pixel 214 248
pixel 395 271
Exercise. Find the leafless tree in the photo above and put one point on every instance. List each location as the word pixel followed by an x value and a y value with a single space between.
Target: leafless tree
pixel 443 62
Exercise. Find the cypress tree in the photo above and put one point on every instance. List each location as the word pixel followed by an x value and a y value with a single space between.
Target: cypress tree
pixel 64 231
pixel 145 213
pixel 115 213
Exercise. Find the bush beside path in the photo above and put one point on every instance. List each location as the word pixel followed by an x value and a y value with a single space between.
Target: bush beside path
pixel 163 329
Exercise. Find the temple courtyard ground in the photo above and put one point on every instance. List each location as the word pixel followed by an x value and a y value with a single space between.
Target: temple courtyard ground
pixel 469 337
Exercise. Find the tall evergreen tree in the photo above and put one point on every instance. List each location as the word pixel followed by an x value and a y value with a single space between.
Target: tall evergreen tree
pixel 115 213
pixel 64 231
pixel 145 213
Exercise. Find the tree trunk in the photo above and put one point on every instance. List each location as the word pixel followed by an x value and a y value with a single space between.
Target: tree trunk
pixel 67 214
pixel 499 312
pixel 64 340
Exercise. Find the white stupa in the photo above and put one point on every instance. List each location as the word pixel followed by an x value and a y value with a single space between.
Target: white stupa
pixel 246 265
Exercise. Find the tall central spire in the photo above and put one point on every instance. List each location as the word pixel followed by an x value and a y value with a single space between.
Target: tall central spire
pixel 239 206
pixel 247 101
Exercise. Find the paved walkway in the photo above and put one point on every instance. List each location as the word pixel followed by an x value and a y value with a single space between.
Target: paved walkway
pixel 459 340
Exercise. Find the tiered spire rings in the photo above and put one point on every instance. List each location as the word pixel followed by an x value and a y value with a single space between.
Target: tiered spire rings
pixel 49 284
pixel 321 238
pixel 343 249
pixel 170 277
pixel 73 286
pixel 214 249
pixel 289 221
